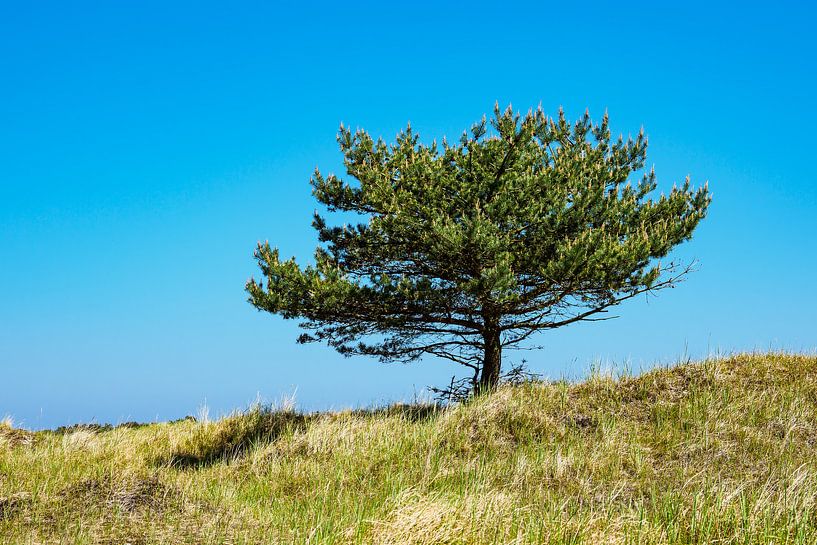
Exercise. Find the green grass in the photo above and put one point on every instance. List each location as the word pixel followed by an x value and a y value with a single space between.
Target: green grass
pixel 723 451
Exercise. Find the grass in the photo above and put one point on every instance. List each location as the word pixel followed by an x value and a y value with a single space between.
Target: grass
pixel 722 451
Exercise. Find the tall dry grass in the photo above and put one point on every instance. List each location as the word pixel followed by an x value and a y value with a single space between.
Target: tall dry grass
pixel 722 451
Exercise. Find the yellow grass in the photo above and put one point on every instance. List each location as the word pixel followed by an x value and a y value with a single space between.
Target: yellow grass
pixel 722 451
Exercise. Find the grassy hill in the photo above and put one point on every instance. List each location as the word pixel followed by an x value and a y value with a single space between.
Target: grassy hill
pixel 720 451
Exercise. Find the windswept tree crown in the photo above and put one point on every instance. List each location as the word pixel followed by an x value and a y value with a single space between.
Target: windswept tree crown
pixel 466 248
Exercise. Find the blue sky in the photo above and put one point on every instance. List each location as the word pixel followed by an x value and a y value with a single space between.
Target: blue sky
pixel 145 148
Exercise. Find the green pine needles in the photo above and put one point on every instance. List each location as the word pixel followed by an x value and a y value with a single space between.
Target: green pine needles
pixel 465 249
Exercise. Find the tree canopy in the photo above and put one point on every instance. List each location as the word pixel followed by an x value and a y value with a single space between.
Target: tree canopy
pixel 463 249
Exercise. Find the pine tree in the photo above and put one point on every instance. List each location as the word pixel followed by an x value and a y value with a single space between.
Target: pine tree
pixel 528 223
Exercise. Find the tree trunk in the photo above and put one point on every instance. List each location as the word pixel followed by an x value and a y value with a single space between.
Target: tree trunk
pixel 492 361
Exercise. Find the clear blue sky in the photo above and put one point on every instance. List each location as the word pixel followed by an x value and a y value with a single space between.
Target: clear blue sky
pixel 146 146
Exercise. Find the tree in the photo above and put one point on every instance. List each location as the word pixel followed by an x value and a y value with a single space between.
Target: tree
pixel 467 249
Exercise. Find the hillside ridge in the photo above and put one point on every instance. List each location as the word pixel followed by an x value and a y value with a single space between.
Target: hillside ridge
pixel 720 450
